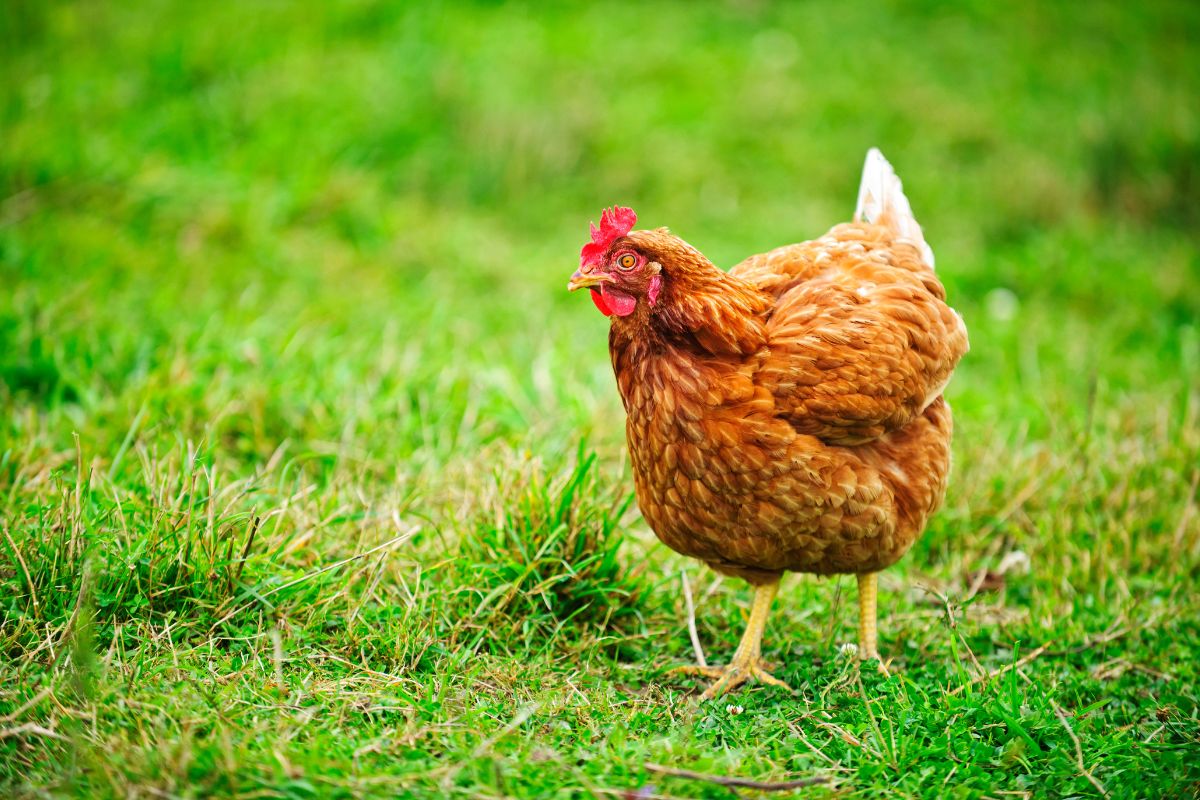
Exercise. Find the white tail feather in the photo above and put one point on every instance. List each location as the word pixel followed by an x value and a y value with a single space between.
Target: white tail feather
pixel 881 201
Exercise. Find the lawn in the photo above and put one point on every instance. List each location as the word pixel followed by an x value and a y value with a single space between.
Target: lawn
pixel 312 474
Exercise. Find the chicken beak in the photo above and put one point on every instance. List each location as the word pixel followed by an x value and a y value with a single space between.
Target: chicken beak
pixel 585 280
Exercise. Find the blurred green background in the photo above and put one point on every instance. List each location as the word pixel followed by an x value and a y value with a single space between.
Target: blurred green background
pixel 434 168
pixel 313 257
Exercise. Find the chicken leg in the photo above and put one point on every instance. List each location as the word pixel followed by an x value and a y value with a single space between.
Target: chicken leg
pixel 868 649
pixel 747 660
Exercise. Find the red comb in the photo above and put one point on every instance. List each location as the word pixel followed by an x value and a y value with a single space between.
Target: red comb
pixel 615 222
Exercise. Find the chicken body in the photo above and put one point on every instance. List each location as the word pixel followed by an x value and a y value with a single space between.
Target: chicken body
pixel 788 415
pixel 811 446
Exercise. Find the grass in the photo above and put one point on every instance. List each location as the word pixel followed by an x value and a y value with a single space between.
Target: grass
pixel 311 475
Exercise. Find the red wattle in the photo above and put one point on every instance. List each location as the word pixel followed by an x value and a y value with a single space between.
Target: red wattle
pixel 618 302
pixel 598 299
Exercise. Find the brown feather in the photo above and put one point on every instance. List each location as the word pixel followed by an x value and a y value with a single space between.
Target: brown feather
pixel 787 415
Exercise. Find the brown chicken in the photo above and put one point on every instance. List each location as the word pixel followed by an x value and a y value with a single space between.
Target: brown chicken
pixel 786 415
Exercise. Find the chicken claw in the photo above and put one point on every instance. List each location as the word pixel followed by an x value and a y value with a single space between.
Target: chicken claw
pixel 885 668
pixel 732 676
pixel 747 661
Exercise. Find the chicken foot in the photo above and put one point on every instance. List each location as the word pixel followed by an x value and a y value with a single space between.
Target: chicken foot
pixel 747 660
pixel 868 589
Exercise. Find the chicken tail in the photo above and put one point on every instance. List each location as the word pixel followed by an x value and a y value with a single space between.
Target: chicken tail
pixel 881 201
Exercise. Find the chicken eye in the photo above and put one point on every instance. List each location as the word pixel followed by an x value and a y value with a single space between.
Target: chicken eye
pixel 627 261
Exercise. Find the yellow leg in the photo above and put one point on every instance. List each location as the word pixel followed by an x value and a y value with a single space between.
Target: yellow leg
pixel 747 659
pixel 868 585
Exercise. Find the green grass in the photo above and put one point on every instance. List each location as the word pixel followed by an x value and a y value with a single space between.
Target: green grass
pixel 311 473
